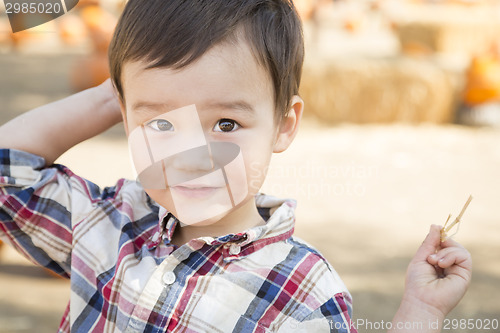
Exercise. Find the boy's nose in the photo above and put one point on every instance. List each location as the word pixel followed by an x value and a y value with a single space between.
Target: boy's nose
pixel 190 164
pixel 194 160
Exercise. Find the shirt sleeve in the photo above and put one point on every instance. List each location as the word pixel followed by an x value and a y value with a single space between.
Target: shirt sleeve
pixel 35 209
pixel 332 316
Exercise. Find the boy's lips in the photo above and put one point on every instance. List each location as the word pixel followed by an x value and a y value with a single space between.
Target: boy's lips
pixel 195 191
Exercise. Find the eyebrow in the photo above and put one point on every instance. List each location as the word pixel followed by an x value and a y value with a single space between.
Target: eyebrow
pixel 151 106
pixel 232 105
pixel 239 105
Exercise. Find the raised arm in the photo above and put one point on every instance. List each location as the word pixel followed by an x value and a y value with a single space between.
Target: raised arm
pixel 50 130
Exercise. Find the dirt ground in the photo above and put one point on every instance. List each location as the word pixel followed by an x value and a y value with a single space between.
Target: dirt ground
pixel 366 197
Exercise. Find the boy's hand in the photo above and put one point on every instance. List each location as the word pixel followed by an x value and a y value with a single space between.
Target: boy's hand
pixel 440 273
pixel 436 280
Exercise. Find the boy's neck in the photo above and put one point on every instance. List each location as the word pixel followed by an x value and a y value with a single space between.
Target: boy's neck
pixel 244 217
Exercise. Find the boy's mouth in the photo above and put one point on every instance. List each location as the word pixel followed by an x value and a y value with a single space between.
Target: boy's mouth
pixel 195 191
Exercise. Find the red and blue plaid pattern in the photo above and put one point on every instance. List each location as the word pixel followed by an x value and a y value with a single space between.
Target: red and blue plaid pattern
pixel 126 276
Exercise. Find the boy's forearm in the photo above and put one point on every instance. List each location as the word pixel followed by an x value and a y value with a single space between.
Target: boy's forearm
pixel 413 317
pixel 50 130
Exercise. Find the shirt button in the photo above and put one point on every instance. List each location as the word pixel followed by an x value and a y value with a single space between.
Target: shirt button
pixel 234 249
pixel 169 277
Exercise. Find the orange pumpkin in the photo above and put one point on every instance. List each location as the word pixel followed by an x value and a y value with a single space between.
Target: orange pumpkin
pixel 18 37
pixel 353 24
pixel 90 72
pixel 36 34
pixel 305 8
pixel 72 30
pixel 100 24
pixel 483 79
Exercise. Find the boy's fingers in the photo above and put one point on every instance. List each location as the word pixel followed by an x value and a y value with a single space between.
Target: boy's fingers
pixel 446 257
pixel 449 260
pixel 461 258
pixel 451 243
pixel 443 252
pixel 430 245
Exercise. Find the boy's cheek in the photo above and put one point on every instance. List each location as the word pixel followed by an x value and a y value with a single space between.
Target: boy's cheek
pixel 257 171
pixel 235 175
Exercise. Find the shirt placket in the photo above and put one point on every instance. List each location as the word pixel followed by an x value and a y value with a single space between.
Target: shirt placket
pixel 156 290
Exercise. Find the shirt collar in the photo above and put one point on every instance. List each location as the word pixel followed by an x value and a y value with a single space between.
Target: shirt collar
pixel 278 214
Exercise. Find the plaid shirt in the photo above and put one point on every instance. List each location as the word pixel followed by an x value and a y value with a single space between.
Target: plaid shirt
pixel 114 245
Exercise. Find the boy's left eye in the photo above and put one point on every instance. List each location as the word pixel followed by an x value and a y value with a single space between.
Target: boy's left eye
pixel 226 125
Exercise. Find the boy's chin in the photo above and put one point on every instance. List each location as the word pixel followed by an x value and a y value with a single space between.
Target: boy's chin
pixel 197 213
pixel 192 218
pixel 196 222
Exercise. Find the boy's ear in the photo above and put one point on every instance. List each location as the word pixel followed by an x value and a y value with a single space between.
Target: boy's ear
pixel 289 125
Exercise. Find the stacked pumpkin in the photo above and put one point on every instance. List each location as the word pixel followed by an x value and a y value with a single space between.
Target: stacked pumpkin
pixel 483 79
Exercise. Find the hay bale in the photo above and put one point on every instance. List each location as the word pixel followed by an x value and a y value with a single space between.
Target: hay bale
pixel 377 91
pixel 446 28
pixel 467 37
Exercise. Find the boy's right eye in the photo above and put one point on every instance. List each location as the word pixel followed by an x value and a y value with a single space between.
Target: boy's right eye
pixel 161 125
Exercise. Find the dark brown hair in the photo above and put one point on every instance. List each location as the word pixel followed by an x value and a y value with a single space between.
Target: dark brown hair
pixel 175 33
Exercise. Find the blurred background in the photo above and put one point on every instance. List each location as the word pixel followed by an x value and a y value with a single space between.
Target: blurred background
pixel 402 124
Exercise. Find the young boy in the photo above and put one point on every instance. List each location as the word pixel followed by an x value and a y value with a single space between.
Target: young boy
pixel 207 91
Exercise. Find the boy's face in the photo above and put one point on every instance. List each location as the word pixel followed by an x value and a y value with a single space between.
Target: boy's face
pixel 201 137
